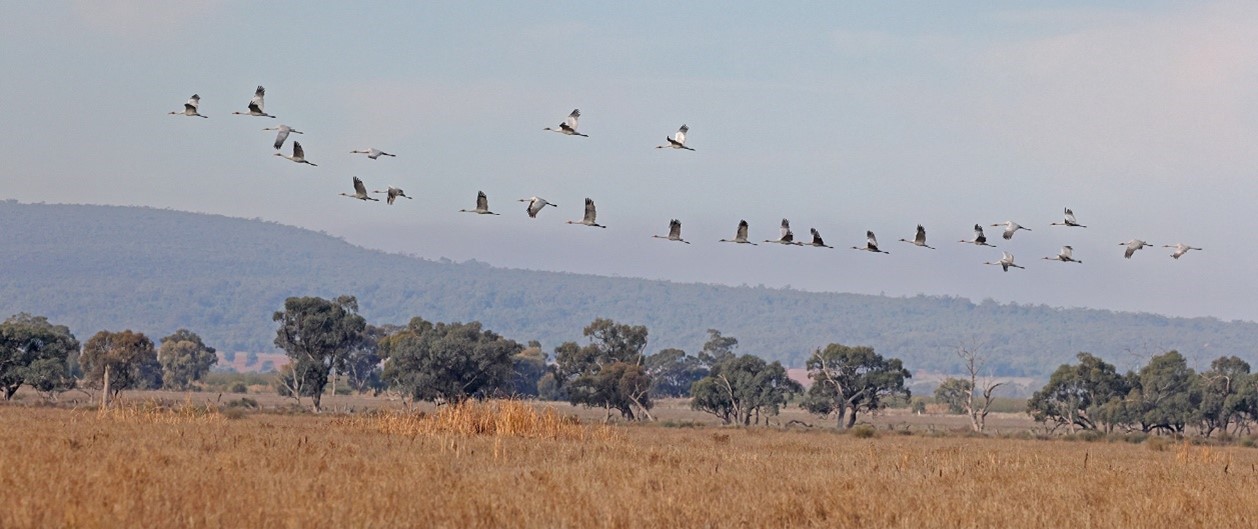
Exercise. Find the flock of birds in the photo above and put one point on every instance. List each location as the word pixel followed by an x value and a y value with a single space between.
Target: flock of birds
pixel 677 141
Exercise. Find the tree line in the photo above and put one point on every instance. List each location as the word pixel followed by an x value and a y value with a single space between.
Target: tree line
pixel 1163 396
pixel 611 369
pixel 450 362
pixel 48 358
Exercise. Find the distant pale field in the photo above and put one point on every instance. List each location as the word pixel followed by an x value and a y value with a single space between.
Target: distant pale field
pixel 506 465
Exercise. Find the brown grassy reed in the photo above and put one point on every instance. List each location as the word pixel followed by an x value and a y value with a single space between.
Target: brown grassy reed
pixel 508 465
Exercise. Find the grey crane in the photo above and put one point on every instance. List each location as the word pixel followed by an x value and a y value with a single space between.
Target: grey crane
pixel 787 237
pixel 535 205
pixel 871 244
pixel 674 232
pixel 1005 262
pixel 372 153
pixel 190 108
pixel 299 154
pixel 1010 227
pixel 740 236
pixel 256 104
pixel 1132 246
pixel 1180 249
pixel 979 238
pixel 569 126
pixel 1066 255
pixel 1069 220
pixel 393 193
pixel 360 191
pixel 590 214
pixel 919 239
pixel 482 205
pixel 678 141
pixel 282 133
pixel 816 239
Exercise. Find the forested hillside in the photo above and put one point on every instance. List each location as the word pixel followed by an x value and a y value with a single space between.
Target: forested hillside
pixel 102 267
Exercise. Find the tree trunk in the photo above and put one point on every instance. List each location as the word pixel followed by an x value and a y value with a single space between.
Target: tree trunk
pixel 316 402
pixel 9 391
pixel 104 395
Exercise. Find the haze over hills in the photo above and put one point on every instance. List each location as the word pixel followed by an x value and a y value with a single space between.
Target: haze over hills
pixel 108 267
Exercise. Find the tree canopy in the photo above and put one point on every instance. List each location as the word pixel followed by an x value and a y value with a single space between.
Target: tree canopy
pixel 37 353
pixel 447 362
pixel 184 359
pixel 849 380
pixel 317 335
pixel 129 356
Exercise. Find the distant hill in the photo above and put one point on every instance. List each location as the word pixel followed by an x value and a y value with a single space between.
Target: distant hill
pixel 105 267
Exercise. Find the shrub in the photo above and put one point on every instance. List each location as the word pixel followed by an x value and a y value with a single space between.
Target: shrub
pixel 864 431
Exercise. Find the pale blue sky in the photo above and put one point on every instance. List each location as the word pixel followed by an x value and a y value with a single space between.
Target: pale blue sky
pixel 1141 117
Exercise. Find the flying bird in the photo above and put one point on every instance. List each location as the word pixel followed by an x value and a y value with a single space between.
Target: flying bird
pixel 919 239
pixel 1132 246
pixel 787 237
pixel 678 141
pixel 569 126
pixel 1066 255
pixel 816 239
pixel 740 236
pixel 1006 261
pixel 482 205
pixel 871 244
pixel 190 108
pixel 372 152
pixel 1180 249
pixel 282 134
pixel 299 154
pixel 360 191
pixel 590 214
pixel 1010 227
pixel 255 104
pixel 393 193
pixel 674 232
pixel 535 205
pixel 1069 220
pixel 979 238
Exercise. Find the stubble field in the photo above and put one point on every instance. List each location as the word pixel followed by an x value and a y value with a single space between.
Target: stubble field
pixel 515 465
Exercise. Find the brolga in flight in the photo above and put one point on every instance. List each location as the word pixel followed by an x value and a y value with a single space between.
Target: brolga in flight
pixel 256 104
pixel 569 126
pixel 1069 220
pixel 372 153
pixel 393 193
pixel 1180 249
pixel 190 108
pixel 979 238
pixel 871 244
pixel 740 236
pixel 787 237
pixel 282 133
pixel 535 205
pixel 674 232
pixel 1066 255
pixel 360 191
pixel 1005 262
pixel 590 215
pixel 1010 227
pixel 816 239
pixel 299 154
pixel 482 205
pixel 919 239
pixel 678 141
pixel 1132 246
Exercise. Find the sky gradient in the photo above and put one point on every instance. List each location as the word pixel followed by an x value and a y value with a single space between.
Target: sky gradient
pixel 1139 116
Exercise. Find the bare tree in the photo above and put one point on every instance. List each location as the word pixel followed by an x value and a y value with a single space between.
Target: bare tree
pixel 974 362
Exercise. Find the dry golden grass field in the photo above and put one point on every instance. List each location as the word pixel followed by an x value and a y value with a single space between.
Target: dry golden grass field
pixel 516 465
